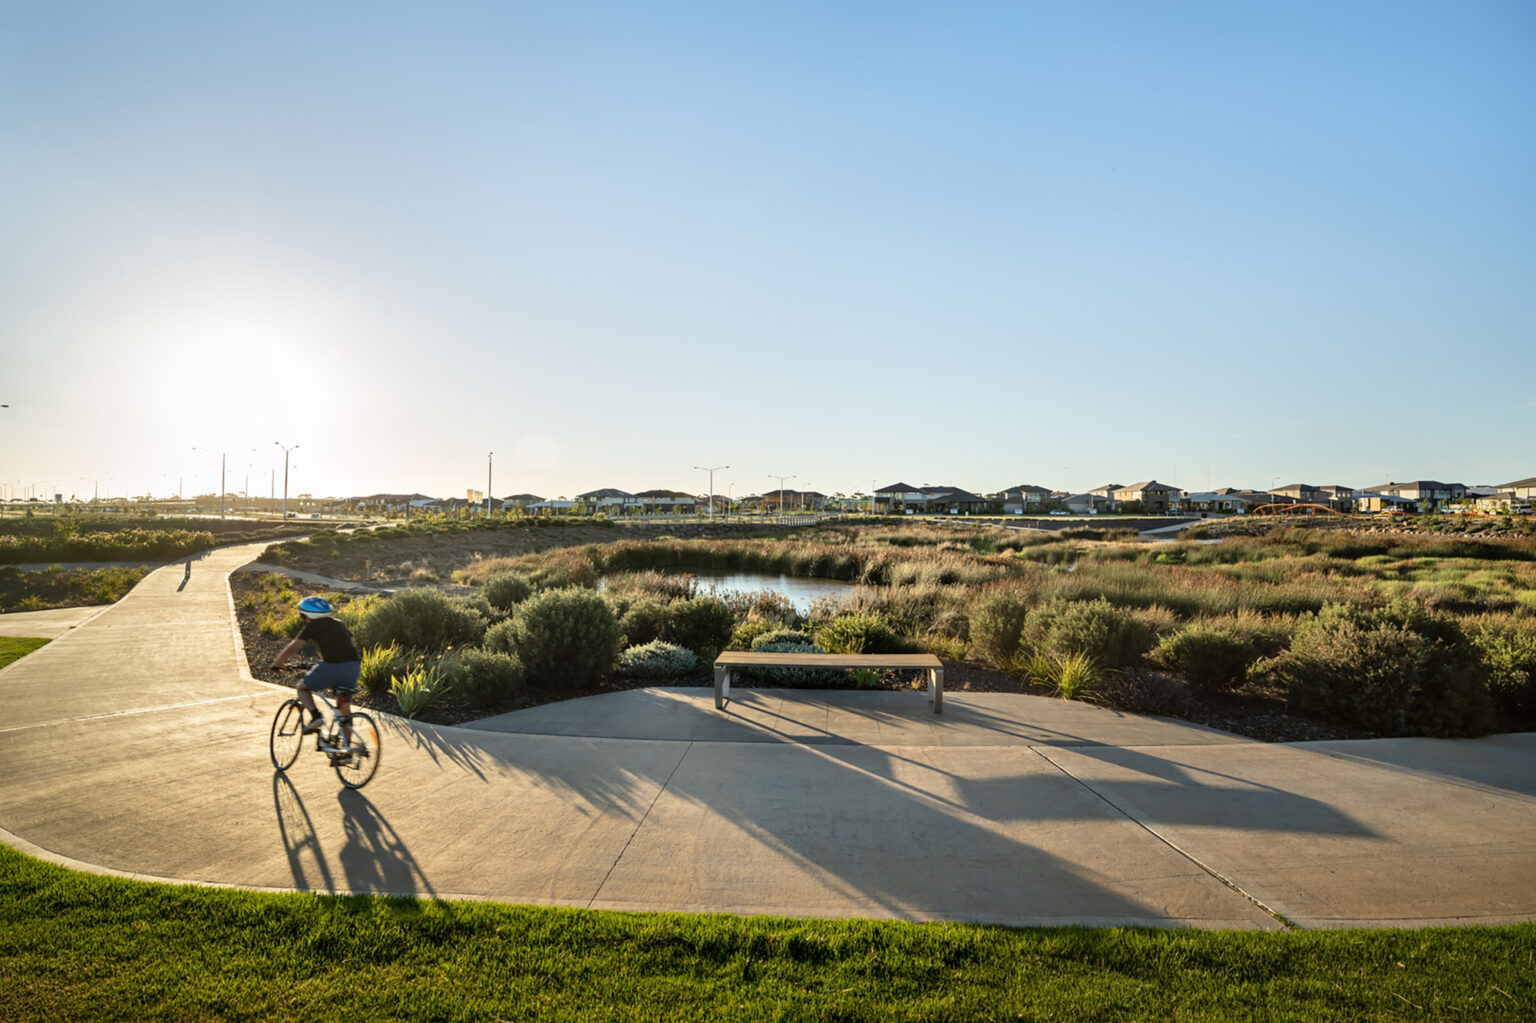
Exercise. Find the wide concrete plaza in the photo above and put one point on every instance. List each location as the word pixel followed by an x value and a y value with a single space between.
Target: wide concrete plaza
pixel 136 743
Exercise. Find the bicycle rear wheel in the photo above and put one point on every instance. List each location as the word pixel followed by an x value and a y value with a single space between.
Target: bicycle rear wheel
pixel 355 769
pixel 286 740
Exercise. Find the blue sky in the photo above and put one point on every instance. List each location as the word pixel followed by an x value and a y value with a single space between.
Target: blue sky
pixel 978 244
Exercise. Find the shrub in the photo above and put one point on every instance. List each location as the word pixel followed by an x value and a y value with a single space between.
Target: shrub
pixel 644 621
pixel 946 647
pixel 505 592
pixel 1393 670
pixel 775 636
pixel 702 624
pixel 357 608
pixel 565 638
pixel 1112 636
pixel 278 620
pixel 476 603
pixel 795 678
pixel 1509 655
pixel 996 627
pixel 657 659
pixel 1142 692
pixel 773 607
pixel 857 634
pixel 421 619
pixel 747 632
pixel 1207 656
pixel 485 677
pixel 379 663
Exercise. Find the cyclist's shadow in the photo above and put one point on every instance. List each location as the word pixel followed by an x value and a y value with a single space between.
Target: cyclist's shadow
pixel 373 857
pixel 306 860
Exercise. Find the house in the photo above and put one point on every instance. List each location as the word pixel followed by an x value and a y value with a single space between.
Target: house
pixel 1370 501
pixel 1300 493
pixel 1426 496
pixel 899 497
pixel 666 502
pixel 953 501
pixel 1107 491
pixel 391 502
pixel 1229 502
pixel 1088 503
pixel 1502 501
pixel 519 501
pixel 1152 496
pixel 1524 489
pixel 551 507
pixel 1024 498
pixel 608 501
pixel 1338 497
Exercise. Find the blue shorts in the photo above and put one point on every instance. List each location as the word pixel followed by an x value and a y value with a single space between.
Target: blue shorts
pixel 338 675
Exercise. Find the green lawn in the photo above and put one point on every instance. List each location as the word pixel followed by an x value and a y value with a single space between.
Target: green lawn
pixel 76 946
pixel 13 647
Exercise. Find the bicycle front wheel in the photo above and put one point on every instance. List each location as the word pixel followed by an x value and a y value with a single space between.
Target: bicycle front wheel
pixel 355 769
pixel 286 740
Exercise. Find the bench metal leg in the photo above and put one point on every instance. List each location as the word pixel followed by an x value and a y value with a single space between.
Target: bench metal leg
pixel 936 689
pixel 722 686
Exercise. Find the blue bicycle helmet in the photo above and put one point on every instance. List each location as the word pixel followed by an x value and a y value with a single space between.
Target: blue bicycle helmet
pixel 315 607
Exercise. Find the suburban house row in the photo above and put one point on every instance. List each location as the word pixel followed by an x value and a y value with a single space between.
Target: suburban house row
pixel 1148 497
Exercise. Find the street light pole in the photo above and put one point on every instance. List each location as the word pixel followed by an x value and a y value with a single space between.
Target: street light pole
pixel 711 472
pixel 781 479
pixel 286 451
pixel 489 457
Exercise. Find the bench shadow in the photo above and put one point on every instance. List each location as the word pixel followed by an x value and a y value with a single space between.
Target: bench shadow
pixel 1496 765
pixel 907 833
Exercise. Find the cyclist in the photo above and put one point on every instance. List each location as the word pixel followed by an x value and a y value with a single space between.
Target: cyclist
pixel 338 668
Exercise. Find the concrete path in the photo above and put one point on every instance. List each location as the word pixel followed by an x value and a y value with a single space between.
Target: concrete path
pixel 136 743
pixel 344 585
pixel 46 624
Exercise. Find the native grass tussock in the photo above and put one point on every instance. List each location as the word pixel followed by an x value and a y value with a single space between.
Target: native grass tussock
pixel 855 563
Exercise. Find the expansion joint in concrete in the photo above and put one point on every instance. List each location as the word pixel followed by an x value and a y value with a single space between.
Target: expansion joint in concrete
pixel 1206 868
pixel 660 791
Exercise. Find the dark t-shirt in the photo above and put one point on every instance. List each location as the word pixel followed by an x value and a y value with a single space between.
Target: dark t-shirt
pixel 333 639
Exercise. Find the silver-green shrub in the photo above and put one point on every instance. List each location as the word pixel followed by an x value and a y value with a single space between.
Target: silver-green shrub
pixel 1394 670
pixel 1112 636
pixel 795 678
pixel 565 638
pixel 657 659
pixel 421 619
pixel 858 634
pixel 505 592
pixel 779 636
pixel 485 678
pixel 996 624
pixel 702 624
pixel 643 621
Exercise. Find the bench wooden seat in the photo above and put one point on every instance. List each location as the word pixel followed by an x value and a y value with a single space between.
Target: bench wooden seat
pixel 762 658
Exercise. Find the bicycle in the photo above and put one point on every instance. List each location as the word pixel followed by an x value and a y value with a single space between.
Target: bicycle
pixel 354 762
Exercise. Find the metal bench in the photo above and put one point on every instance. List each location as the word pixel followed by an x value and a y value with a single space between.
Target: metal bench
pixel 758 659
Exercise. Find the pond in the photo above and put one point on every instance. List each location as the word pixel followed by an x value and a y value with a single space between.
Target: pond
pixel 801 592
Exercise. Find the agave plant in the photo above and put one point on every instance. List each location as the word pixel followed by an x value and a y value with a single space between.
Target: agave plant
pixel 414 690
